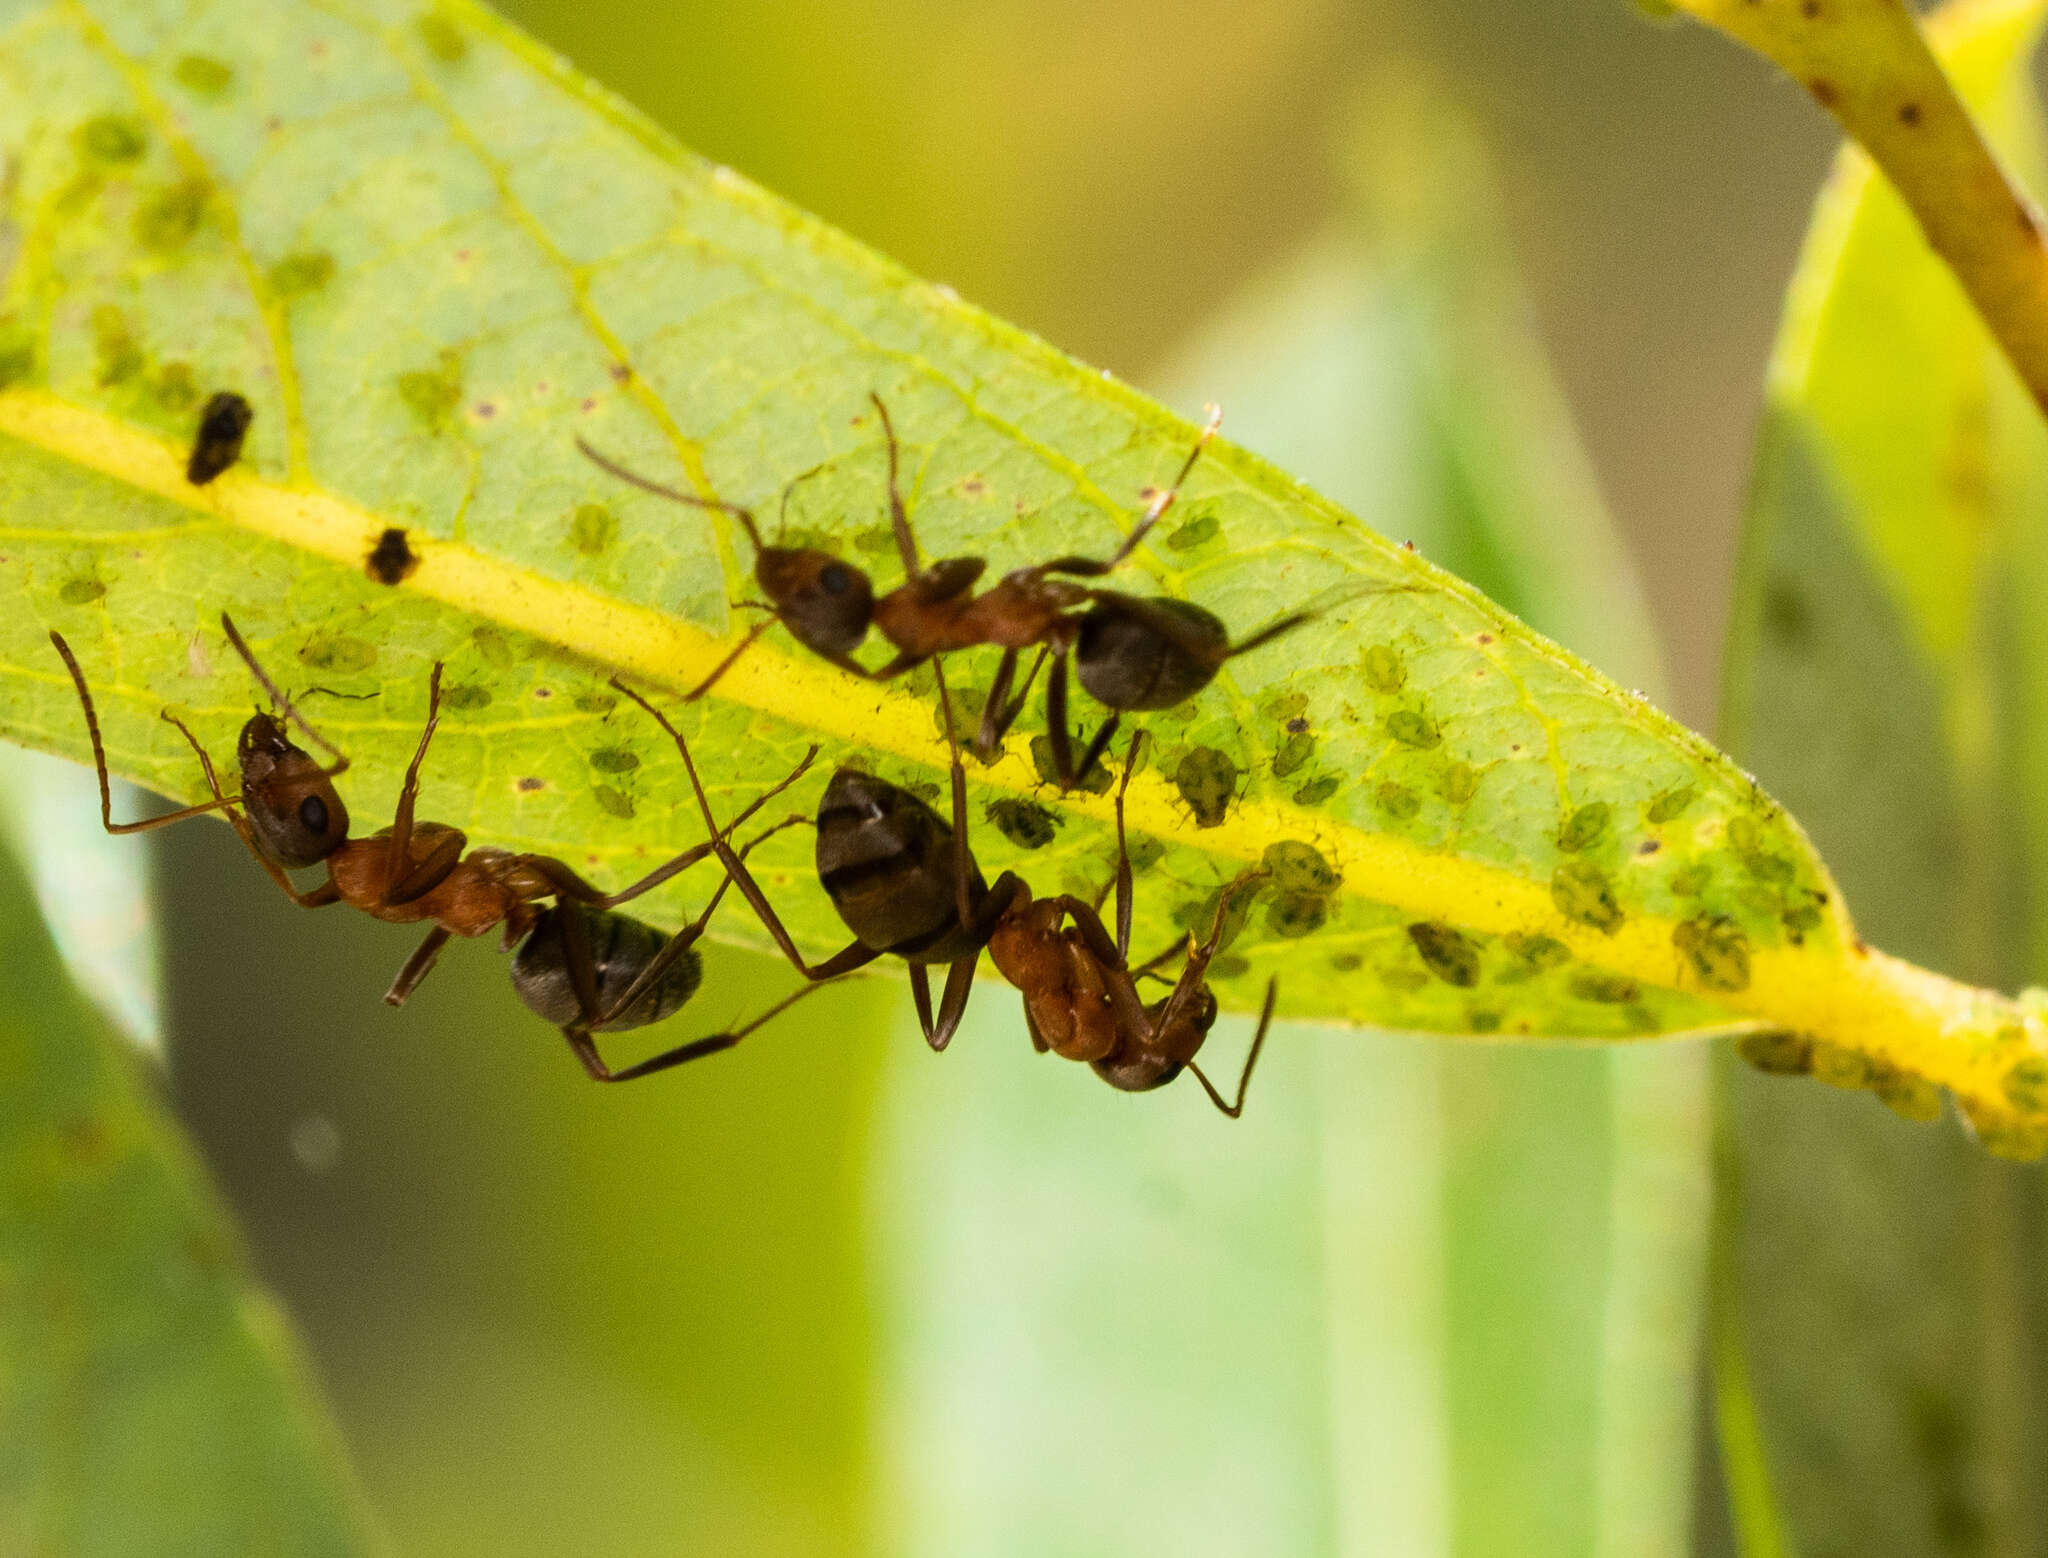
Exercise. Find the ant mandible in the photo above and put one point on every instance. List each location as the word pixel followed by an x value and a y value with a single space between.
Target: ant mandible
pixel 904 883
pixel 1132 653
pixel 289 815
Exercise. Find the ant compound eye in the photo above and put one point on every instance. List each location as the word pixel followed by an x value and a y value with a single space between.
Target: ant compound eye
pixel 313 814
pixel 835 579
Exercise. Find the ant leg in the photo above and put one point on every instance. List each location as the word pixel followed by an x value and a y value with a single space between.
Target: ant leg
pixel 1007 717
pixel 990 733
pixel 99 762
pixel 277 696
pixel 586 1048
pixel 320 896
pixel 921 998
pixel 1233 1110
pixel 899 520
pixel 1125 889
pixel 963 857
pixel 728 662
pixel 417 967
pixel 398 855
pixel 952 1004
pixel 1056 725
pixel 1097 747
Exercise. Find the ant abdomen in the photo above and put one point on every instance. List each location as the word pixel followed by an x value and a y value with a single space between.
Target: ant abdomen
pixel 298 817
pixel 886 861
pixel 620 947
pixel 1126 663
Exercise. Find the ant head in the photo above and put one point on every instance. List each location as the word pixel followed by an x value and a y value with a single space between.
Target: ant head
pixel 827 603
pixel 1134 654
pixel 1168 1054
pixel 297 816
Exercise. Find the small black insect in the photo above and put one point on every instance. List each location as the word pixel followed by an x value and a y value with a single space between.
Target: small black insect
pixel 392 560
pixel 218 443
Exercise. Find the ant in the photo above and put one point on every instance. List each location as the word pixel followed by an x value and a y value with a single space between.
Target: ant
pixel 904 882
pixel 1132 653
pixel 289 815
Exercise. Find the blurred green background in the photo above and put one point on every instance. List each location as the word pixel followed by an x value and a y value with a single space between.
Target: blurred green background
pixel 832 1295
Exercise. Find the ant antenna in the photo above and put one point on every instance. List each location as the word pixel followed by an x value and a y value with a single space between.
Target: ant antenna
pixel 898 519
pixel 1233 1110
pixel 635 479
pixel 277 697
pixel 1164 499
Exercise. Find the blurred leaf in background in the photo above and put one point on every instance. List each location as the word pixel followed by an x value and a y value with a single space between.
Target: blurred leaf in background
pixel 152 1399
pixel 1882 1314
pixel 1419 1300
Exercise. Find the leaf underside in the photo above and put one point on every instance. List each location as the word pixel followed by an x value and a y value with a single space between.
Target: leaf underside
pixel 430 256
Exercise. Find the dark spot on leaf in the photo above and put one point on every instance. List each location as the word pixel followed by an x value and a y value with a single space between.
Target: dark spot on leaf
pixel 1692 881
pixel 530 784
pixel 442 37
pixel 1909 114
pixel 1192 532
pixel 302 272
pixel 336 652
pixel 217 444
pixel 2026 1084
pixel 1347 962
pixel 1787 616
pixel 1823 91
pixel 1584 826
pixel 433 393
pixel 118 356
pixel 1294 753
pixel 613 801
pixel 1299 868
pixel 592 528
pixel 176 389
pixel 1460 782
pixel 1316 791
pixel 614 760
pixel 1296 727
pixel 201 74
pixel 1667 805
pixel 392 559
pixel 495 647
pixel 1451 955
pixel 1777 1051
pixel 1481 1021
pixel 1397 801
pixel 168 219
pixel 1648 847
pixel 1026 824
pixel 1412 729
pixel 111 139
pixel 595 702
pixel 1296 914
pixel 81 592
pixel 1582 892
pixel 1717 949
pixel 1207 781
pixel 465 695
pixel 621 372
pixel 1383 669
pixel 1802 919
pixel 1810 9
pixel 1609 989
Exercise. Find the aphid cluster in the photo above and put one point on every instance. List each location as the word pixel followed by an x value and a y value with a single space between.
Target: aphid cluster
pixel 902 877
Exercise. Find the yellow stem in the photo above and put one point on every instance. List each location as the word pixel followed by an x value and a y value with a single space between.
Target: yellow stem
pixel 1868 64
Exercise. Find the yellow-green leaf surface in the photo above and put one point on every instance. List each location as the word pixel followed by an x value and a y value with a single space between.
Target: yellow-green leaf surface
pixel 431 256
pixel 152 1399
pixel 1876 1280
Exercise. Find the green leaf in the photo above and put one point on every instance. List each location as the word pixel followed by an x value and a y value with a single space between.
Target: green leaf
pixel 517 259
pixel 153 1400
pixel 1342 1323
pixel 1885 678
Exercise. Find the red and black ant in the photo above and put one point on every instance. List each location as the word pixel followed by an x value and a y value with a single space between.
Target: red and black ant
pixel 905 883
pixel 289 815
pixel 1132 653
